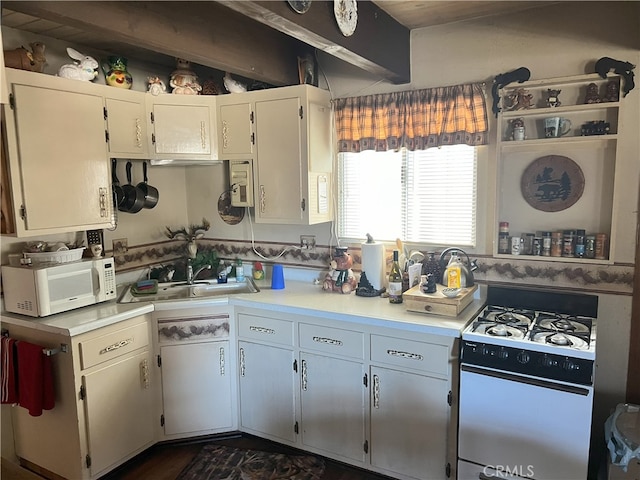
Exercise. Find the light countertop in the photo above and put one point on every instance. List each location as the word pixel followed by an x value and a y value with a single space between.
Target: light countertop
pixel 298 297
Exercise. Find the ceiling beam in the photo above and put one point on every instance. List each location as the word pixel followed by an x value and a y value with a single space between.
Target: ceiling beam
pixel 204 33
pixel 380 44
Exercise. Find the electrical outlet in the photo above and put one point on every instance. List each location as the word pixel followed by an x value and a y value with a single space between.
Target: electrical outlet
pixel 308 242
pixel 120 246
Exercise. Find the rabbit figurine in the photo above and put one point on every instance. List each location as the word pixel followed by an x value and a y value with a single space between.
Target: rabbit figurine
pixel 84 67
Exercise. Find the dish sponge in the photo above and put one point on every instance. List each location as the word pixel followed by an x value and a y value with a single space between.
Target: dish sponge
pixel 144 287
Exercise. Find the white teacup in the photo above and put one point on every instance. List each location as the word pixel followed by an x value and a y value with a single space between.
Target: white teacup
pixel 96 250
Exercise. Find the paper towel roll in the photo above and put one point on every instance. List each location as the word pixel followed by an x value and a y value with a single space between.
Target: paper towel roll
pixel 373 264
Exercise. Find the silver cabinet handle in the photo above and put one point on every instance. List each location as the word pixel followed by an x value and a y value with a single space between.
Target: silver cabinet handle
pixel 329 341
pixel 102 201
pixel 242 362
pixel 304 375
pixel 138 133
pixel 269 331
pixel 144 373
pixel 222 361
pixel 225 135
pixel 376 391
pixel 412 356
pixel 203 135
pixel 116 346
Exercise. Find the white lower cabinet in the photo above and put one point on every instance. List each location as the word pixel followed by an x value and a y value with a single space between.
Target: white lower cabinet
pixel 378 398
pixel 332 413
pixel 197 371
pixel 409 417
pixel 267 401
pixel 413 427
pixel 103 397
pixel 333 391
pixel 114 432
pixel 267 376
pixel 196 394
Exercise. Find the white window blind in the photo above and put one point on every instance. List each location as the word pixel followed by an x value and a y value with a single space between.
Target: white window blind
pixel 426 196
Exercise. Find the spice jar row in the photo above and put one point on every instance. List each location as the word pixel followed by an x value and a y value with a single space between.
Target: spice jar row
pixel 563 243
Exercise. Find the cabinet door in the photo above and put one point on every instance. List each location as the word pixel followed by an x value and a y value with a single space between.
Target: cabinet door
pixel 118 410
pixel 279 175
pixel 409 417
pixel 127 127
pixel 236 131
pixel 267 397
pixel 182 129
pixel 332 408
pixel 63 164
pixel 196 387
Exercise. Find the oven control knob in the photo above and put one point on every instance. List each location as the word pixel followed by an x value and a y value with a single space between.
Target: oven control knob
pixel 569 365
pixel 485 350
pixel 523 357
pixel 503 354
pixel 549 362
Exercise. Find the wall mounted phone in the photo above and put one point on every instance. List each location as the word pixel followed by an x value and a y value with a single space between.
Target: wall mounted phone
pixel 241 183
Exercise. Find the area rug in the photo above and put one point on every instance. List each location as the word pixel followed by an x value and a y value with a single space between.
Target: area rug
pixel 219 462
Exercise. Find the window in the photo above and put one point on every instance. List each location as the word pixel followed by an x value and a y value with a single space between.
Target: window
pixel 423 196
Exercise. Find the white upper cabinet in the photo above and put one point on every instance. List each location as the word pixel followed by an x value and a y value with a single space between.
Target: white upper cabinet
pixel 57 151
pixel 236 136
pixel 182 127
pixel 294 156
pixel 126 123
pixel 287 133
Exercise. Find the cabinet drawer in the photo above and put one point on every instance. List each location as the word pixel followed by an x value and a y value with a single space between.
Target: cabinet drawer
pixel 181 330
pixel 112 345
pixel 265 329
pixel 428 357
pixel 332 340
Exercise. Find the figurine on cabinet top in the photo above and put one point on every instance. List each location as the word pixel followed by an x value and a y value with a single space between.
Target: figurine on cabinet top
pixel 592 94
pixel 156 86
pixel 552 98
pixel 183 80
pixel 84 68
pixel 24 59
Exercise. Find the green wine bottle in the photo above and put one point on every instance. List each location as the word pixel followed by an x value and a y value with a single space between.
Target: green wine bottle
pixel 395 281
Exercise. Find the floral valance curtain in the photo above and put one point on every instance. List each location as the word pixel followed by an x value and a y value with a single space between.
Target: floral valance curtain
pixel 417 119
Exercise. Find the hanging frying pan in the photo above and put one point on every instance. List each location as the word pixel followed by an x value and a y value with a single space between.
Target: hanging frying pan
pixel 133 196
pixel 150 193
pixel 118 193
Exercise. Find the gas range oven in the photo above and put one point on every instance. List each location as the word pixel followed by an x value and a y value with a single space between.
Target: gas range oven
pixel 526 386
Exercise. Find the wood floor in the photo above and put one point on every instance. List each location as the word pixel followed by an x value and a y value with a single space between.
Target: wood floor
pixel 166 461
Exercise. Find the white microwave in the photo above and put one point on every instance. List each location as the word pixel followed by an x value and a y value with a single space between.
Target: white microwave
pixel 43 290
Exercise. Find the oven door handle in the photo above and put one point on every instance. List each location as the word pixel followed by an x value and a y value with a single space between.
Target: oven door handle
pixel 530 381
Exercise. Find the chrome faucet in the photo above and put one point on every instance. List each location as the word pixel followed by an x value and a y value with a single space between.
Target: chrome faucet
pixel 191 275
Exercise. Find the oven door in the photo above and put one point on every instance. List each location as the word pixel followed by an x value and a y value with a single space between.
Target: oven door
pixel 524 426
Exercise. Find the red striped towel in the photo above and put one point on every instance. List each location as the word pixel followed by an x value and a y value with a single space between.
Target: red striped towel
pixel 35 379
pixel 9 392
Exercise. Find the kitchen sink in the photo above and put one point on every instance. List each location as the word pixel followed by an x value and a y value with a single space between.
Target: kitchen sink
pixel 183 290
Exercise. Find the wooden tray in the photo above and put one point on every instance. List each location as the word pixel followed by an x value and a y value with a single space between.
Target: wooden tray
pixel 436 303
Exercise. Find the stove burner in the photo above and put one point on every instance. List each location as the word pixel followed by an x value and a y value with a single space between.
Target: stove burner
pixel 517 318
pixel 507 317
pixel 498 331
pixel 559 339
pixel 564 323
